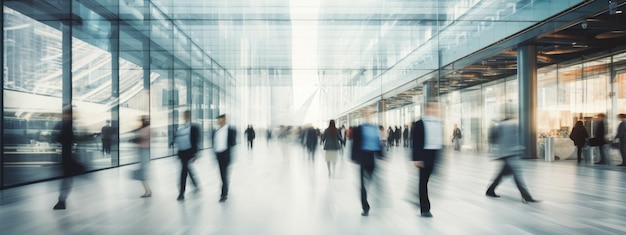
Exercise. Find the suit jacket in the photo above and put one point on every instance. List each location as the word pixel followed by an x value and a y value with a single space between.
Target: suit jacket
pixel 357 153
pixel 507 139
pixel 194 136
pixel 599 133
pixel 418 137
pixel 621 132
pixel 232 139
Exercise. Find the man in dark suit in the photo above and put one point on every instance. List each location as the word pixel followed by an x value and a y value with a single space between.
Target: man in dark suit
pixel 187 139
pixel 621 135
pixel 223 141
pixel 599 134
pixel 65 136
pixel 365 148
pixel 427 137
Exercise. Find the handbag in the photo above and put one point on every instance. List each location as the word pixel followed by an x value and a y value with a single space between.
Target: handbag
pixel 136 174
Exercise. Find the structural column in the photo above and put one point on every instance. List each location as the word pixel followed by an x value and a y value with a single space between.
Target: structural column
pixel 380 109
pixel 527 79
pixel 430 91
pixel 115 88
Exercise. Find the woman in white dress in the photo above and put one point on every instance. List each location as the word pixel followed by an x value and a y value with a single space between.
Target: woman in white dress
pixel 332 141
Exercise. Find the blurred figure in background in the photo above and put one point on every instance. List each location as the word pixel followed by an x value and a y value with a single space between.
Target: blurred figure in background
pixel 599 134
pixel 383 137
pixel 65 136
pixel 390 136
pixel 405 136
pixel 427 137
pixel 142 139
pixel 224 139
pixel 106 135
pixel 310 140
pixel 579 135
pixel 621 137
pixel 187 139
pixel 268 135
pixel 506 139
pixel 456 137
pixel 365 148
pixel 397 135
pixel 250 135
pixel 344 134
pixel 332 141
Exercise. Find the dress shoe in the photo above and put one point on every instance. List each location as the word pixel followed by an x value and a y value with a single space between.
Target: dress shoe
pixel 491 194
pixel 180 198
pixel 427 214
pixel 59 206
pixel 529 200
pixel 223 199
pixel 365 212
pixel 145 195
pixel 600 163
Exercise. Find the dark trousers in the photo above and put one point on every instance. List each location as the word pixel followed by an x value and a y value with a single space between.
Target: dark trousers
pixel 250 141
pixel 106 146
pixel 425 172
pixel 185 156
pixel 603 158
pixel 622 151
pixel 509 169
pixel 223 160
pixel 367 173
pixel 579 149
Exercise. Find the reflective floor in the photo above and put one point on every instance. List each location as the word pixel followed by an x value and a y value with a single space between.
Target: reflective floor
pixel 276 190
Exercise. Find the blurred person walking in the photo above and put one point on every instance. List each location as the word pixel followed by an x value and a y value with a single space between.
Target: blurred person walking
pixel 310 142
pixel 142 139
pixel 383 138
pixel 598 139
pixel 427 137
pixel 106 135
pixel 332 141
pixel 456 137
pixel 621 137
pixel 405 136
pixel 506 141
pixel 365 148
pixel 397 135
pixel 224 139
pixel 65 136
pixel 187 139
pixel 250 135
pixel 579 135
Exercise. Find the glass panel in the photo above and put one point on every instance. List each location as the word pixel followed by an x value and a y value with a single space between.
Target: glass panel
pixel 472 111
pixel 134 98
pixel 95 125
pixel 32 98
pixel 161 114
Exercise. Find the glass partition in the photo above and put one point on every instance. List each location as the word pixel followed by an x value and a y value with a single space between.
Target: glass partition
pixel 32 98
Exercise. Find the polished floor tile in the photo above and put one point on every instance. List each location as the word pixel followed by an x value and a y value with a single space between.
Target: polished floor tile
pixel 276 190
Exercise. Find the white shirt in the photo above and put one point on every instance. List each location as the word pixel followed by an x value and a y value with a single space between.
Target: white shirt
pixel 221 139
pixel 433 133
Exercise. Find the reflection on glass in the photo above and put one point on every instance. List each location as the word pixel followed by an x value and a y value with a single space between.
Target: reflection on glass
pixel 32 99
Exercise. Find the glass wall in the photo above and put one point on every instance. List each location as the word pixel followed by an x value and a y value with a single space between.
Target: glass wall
pixel 566 93
pixel 32 92
pixel 113 62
